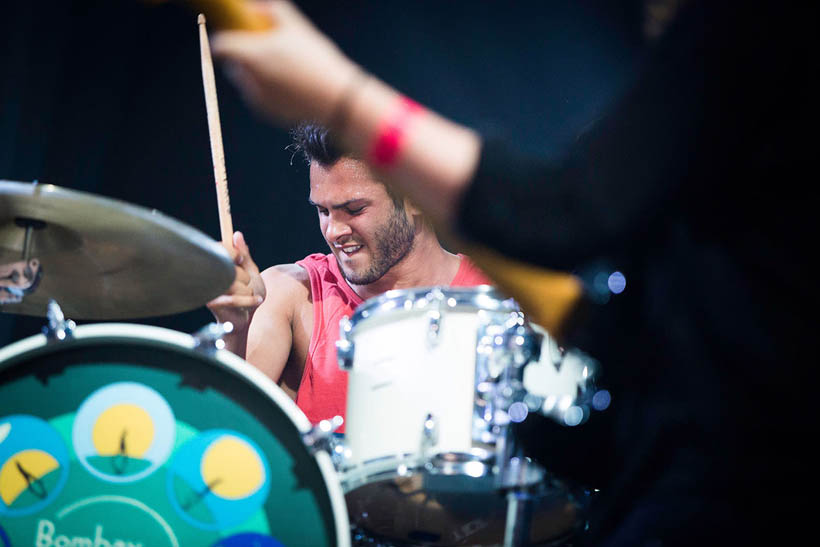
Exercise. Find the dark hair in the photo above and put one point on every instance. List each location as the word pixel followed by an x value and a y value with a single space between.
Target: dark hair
pixel 315 143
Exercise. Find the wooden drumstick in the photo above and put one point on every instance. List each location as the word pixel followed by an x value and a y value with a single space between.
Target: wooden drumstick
pixel 215 133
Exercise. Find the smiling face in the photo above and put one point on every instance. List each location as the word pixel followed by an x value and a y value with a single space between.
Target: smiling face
pixel 365 230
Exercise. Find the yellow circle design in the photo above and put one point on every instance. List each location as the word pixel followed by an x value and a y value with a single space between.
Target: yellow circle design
pixel 124 429
pixel 231 468
pixel 35 463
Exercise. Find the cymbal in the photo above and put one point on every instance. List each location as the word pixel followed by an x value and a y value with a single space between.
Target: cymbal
pixel 104 259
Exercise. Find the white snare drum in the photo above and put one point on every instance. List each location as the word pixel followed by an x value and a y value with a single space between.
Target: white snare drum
pixel 426 371
pixel 132 434
pixel 435 378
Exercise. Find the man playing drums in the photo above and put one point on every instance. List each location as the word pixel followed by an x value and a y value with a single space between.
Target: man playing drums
pixel 286 318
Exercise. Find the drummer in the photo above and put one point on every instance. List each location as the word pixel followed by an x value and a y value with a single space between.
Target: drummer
pixel 286 318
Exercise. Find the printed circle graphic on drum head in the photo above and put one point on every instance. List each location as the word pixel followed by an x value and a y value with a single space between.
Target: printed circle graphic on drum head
pixel 218 479
pixel 33 464
pixel 244 540
pixel 232 468
pixel 123 432
pixel 162 445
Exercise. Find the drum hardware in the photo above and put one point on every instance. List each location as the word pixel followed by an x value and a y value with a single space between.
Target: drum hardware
pixel 209 339
pixel 29 225
pixel 503 349
pixel 102 259
pixel 320 437
pixel 429 435
pixel 519 516
pixel 58 328
pixel 344 346
pixel 519 472
pixel 561 383
pixel 477 463
pixel 433 327
pixel 517 476
pixel 434 317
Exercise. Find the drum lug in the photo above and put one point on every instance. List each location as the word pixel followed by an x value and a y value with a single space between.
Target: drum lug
pixel 344 345
pixel 429 434
pixel 321 438
pixel 434 317
pixel 208 339
pixel 59 328
pixel 433 328
pixel 503 349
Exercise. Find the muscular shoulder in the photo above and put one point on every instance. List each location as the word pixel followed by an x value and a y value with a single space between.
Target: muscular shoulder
pixel 287 294
pixel 286 283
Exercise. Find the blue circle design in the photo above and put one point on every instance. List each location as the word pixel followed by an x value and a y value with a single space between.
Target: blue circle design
pixel 30 432
pixel 185 468
pixel 248 539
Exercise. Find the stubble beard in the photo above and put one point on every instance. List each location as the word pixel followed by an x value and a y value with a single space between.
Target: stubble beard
pixel 394 241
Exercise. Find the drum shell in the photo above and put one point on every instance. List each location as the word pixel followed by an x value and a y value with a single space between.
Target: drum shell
pixel 415 363
pixel 399 378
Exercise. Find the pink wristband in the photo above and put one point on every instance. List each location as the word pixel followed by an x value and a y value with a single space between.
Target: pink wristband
pixel 385 149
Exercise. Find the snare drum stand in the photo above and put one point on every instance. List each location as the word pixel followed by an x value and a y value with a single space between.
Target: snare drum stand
pixel 516 476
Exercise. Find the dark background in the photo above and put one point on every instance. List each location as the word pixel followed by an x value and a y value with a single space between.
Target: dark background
pixel 106 97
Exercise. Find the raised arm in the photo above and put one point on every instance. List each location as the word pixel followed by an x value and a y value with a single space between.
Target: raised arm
pixel 262 307
pixel 295 73
pixel 271 340
pixel 238 305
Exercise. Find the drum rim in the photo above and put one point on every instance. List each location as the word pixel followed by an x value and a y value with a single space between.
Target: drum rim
pixel 180 340
pixel 409 464
pixel 479 297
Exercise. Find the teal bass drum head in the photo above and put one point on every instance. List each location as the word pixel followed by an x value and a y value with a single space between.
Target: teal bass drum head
pixel 127 436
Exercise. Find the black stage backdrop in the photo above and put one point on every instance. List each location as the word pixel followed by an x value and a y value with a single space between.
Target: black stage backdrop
pixel 106 97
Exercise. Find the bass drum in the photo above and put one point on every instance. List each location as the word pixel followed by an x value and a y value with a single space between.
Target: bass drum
pixel 129 435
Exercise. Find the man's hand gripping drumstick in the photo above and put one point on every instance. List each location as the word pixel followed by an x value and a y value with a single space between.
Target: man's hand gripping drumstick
pixel 247 291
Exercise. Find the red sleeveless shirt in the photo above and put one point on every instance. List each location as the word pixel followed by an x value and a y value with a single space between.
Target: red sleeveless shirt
pixel 322 391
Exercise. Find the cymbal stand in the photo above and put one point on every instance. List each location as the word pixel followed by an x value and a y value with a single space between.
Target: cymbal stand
pixel 516 477
pixel 513 345
pixel 519 518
